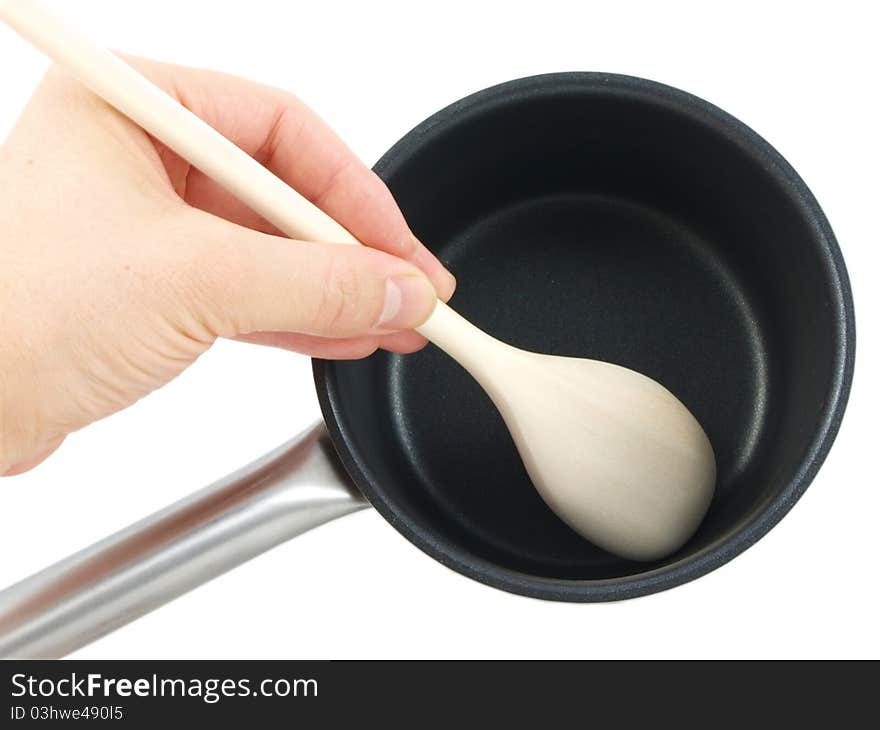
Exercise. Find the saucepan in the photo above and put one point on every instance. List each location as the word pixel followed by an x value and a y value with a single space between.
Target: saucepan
pixel 585 214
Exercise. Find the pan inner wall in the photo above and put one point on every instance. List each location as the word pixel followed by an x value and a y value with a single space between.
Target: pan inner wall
pixel 607 223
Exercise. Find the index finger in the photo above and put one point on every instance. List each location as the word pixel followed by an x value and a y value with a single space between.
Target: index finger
pixel 292 141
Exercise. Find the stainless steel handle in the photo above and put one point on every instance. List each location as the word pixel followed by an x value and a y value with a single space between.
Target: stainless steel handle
pixel 294 488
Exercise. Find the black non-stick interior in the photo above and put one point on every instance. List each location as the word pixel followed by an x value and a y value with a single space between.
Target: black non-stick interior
pixel 611 218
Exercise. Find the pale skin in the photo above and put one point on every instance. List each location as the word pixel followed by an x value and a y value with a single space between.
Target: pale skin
pixel 120 264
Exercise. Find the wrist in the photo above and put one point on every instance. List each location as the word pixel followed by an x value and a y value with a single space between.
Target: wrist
pixel 10 448
pixel 15 434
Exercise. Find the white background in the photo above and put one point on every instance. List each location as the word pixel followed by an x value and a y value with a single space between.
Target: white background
pixel 802 74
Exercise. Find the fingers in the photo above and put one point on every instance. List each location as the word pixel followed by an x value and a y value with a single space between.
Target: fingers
pixel 34 459
pixel 294 143
pixel 350 348
pixel 328 348
pixel 246 281
pixel 403 342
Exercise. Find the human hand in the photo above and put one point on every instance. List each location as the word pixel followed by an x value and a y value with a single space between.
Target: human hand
pixel 120 263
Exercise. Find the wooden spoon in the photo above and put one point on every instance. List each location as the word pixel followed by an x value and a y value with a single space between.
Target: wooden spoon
pixel 612 452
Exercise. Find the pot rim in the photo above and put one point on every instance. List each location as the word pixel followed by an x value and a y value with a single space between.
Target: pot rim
pixel 713 556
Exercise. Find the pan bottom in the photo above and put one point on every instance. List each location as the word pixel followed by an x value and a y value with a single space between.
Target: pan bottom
pixel 586 276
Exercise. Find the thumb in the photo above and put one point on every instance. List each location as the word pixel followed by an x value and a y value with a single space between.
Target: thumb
pixel 254 282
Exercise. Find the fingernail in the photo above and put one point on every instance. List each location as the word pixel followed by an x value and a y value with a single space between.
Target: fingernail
pixel 449 284
pixel 444 282
pixel 409 301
